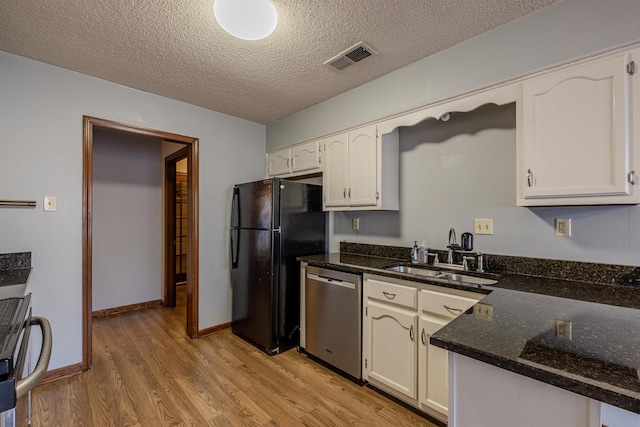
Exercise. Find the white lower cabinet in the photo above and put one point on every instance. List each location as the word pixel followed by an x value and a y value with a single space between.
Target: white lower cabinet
pixel 433 375
pixel 436 310
pixel 392 328
pixel 399 318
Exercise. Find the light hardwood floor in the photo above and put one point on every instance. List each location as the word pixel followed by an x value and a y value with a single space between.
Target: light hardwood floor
pixel 146 372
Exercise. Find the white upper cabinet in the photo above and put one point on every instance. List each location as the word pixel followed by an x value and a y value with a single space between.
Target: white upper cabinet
pixel 300 159
pixel 363 167
pixel 279 162
pixel 334 178
pixel 361 170
pixel 577 138
pixel 306 157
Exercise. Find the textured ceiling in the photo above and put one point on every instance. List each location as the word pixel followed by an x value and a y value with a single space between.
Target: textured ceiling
pixel 176 49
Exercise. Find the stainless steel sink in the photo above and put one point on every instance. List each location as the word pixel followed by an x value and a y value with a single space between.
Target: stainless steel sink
pixel 468 279
pixel 458 277
pixel 415 270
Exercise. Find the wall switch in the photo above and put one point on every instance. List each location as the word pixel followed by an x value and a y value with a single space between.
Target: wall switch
pixel 49 204
pixel 483 311
pixel 355 223
pixel 562 227
pixel 483 226
pixel 563 329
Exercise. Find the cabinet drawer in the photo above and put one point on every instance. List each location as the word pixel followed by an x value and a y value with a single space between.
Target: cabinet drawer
pixel 444 305
pixel 391 293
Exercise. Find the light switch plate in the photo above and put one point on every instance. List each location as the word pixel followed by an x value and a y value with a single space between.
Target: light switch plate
pixel 49 204
pixel 483 226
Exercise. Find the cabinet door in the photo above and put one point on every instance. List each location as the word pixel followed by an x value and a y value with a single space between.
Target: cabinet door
pixel 363 167
pixel 278 163
pixel 576 131
pixel 391 352
pixel 334 178
pixel 305 157
pixel 432 368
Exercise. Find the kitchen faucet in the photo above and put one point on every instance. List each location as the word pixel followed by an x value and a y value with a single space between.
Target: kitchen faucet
pixel 453 245
pixel 454 249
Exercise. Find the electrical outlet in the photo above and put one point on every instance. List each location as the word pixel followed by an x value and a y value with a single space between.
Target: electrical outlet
pixel 355 223
pixel 562 227
pixel 563 329
pixel 483 311
pixel 49 204
pixel 483 226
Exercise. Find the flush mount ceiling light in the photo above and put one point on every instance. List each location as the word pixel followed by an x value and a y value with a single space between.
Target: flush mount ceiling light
pixel 246 19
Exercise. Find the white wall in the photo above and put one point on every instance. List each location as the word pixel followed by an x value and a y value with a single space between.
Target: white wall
pixel 563 31
pixel 41 109
pixel 452 172
pixel 127 219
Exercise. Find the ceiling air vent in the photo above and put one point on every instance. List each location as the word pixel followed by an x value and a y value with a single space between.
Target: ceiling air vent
pixel 350 56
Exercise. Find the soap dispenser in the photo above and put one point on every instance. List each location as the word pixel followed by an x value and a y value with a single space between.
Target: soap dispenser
pixel 414 252
pixel 423 253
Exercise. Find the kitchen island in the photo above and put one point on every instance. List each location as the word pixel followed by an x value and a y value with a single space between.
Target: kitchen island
pixel 572 338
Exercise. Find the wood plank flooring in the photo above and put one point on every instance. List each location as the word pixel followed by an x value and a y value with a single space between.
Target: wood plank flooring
pixel 146 372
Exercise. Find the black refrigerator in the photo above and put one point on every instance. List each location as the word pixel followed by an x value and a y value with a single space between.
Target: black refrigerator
pixel 273 221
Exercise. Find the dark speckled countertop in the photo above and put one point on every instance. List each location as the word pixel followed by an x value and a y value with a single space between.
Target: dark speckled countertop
pixel 15 268
pixel 602 358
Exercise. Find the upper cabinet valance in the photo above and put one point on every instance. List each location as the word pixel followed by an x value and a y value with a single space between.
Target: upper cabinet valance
pixel 499 95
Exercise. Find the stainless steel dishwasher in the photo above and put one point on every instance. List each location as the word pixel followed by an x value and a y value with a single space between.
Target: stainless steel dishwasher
pixel 333 308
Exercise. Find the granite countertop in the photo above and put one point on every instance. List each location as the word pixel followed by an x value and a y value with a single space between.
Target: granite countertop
pixel 14 277
pixel 601 360
pixel 15 269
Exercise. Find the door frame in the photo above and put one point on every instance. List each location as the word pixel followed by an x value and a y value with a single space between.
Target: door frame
pixel 170 225
pixel 88 124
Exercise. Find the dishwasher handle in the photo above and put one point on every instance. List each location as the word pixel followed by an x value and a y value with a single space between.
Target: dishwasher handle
pixel 331 281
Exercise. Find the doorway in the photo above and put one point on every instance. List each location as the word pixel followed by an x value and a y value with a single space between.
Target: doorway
pixel 191 147
pixel 176 223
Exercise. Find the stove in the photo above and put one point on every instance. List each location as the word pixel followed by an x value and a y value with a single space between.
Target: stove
pixel 16 376
pixel 15 322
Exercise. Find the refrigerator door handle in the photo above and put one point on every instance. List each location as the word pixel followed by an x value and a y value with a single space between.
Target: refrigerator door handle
pixel 234 248
pixel 235 208
pixel 235 222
